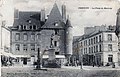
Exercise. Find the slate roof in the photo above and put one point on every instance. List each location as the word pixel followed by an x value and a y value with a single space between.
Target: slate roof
pixel 27 18
pixel 54 17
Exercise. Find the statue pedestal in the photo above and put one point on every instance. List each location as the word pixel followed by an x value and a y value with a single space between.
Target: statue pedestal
pixel 52 62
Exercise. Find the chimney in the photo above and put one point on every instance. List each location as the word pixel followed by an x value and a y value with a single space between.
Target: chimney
pixel 64 12
pixel 16 13
pixel 42 15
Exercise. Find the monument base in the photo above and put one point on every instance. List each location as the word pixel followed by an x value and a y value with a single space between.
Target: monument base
pixel 52 64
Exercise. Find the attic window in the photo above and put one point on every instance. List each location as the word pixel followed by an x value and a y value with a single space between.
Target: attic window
pixel 56 24
pixel 30 27
pixel 34 26
pixel 29 21
pixel 24 27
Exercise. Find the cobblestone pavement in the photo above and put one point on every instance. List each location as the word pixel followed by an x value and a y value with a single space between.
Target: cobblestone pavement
pixel 59 72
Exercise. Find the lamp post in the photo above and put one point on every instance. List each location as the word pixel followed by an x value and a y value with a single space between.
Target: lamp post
pixel 38 60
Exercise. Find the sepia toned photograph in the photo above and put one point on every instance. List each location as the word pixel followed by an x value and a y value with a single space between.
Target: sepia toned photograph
pixel 59 38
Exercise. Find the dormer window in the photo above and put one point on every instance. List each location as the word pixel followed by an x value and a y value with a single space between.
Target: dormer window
pixel 29 21
pixel 30 27
pixel 34 27
pixel 56 24
pixel 24 27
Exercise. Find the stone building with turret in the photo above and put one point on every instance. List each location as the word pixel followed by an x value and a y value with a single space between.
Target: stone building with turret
pixel 32 30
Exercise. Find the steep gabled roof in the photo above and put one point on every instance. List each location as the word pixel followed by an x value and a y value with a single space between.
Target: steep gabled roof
pixel 54 17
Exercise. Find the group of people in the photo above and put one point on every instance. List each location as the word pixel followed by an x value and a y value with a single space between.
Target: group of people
pixel 6 61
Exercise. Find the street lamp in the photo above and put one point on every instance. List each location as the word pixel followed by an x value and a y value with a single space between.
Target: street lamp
pixel 39 60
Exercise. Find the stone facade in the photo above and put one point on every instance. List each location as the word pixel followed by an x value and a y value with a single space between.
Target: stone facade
pixel 98 48
pixel 32 31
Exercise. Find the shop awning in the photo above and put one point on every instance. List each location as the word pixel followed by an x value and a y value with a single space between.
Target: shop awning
pixel 57 56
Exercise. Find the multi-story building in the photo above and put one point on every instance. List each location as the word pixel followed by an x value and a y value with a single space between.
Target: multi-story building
pixel 32 30
pixel 97 46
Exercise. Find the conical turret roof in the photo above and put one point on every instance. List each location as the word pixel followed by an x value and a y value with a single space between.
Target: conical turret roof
pixel 68 23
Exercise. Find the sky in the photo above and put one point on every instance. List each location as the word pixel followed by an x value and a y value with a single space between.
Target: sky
pixel 82 13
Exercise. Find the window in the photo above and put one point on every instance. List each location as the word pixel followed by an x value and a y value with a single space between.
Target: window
pixel 110 58
pixel 100 48
pixel 109 47
pixel 25 36
pixel 17 47
pixel 38 36
pixel 24 47
pixel 30 27
pixel 109 37
pixel 55 43
pixel 34 27
pixel 33 37
pixel 96 39
pixel 100 38
pixel 24 27
pixel 89 50
pixel 96 48
pixel 32 47
pixel 84 50
pixel 84 43
pixel 89 41
pixel 17 36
